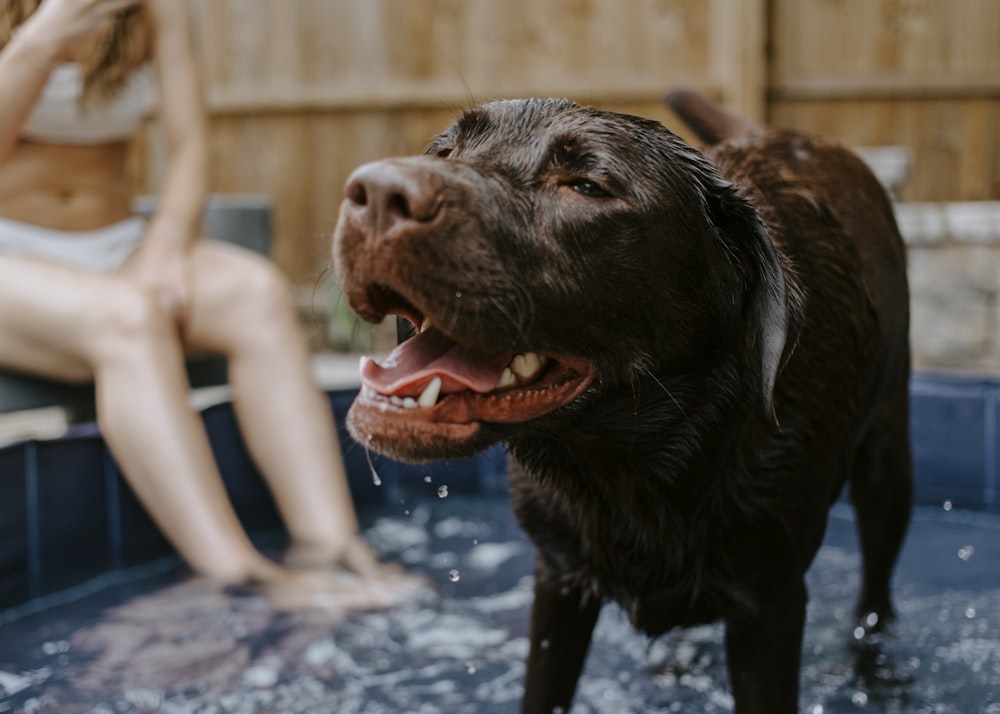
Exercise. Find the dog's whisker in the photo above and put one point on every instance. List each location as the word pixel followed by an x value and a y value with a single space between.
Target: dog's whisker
pixel 649 373
pixel 517 308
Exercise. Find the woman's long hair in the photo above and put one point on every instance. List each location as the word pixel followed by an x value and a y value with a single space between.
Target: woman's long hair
pixel 106 70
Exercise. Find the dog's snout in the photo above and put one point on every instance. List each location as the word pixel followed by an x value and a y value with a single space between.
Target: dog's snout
pixel 389 196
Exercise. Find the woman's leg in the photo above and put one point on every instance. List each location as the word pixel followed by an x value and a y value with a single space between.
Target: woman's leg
pixel 62 323
pixel 67 324
pixel 242 307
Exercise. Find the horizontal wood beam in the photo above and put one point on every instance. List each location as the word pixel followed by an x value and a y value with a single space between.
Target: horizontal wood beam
pixel 885 87
pixel 386 97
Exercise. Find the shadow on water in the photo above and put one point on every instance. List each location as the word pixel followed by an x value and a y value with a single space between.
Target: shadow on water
pixel 163 643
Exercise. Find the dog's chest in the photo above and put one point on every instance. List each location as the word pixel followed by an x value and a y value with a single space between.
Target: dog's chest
pixel 653 563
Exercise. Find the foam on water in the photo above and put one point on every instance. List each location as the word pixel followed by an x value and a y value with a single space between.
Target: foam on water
pixel 178 646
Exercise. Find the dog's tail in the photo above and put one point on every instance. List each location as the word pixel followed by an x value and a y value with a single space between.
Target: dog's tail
pixel 706 118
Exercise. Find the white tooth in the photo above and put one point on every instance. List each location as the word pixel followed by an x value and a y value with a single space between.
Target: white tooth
pixel 410 403
pixel 398 401
pixel 507 379
pixel 526 365
pixel 426 324
pixel 429 397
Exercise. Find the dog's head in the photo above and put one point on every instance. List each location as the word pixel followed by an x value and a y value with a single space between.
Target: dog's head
pixel 545 253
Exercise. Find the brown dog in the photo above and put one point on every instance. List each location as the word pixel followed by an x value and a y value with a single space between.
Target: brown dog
pixel 687 354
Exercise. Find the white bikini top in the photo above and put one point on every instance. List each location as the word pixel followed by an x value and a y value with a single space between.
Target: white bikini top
pixel 57 118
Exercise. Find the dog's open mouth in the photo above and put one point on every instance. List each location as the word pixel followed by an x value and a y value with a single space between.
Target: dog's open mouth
pixel 433 388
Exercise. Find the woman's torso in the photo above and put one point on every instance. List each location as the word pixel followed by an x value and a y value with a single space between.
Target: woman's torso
pixel 57 176
pixel 65 187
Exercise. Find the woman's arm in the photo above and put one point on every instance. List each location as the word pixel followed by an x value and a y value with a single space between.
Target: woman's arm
pixel 177 221
pixel 161 264
pixel 37 45
pixel 25 64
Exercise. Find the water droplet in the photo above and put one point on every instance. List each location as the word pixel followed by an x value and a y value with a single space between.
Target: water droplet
pixel 470 668
pixel 458 293
pixel 406 512
pixel 946 505
pixel 970 612
pixel 442 492
pixel 427 479
pixel 371 466
pixel 544 644
pixel 475 541
pixel 58 647
pixel 966 552
pixel 859 633
pixel 872 619
pixel 859 699
pixel 454 576
pixel 558 710
pixel 817 709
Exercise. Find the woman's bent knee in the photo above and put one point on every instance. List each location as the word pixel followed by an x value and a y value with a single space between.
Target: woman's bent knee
pixel 266 289
pixel 239 302
pixel 129 319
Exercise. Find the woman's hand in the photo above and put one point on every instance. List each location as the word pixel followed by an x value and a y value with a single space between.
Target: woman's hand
pixel 67 22
pixel 165 273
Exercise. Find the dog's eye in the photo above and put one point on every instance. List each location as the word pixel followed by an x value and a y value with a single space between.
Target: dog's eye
pixel 588 188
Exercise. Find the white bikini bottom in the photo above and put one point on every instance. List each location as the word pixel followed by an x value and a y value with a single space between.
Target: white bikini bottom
pixel 100 250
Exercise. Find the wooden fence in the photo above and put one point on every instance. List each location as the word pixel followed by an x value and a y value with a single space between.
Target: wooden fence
pixel 924 74
pixel 302 91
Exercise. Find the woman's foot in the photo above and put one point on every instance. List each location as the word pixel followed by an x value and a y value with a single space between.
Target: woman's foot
pixel 356 558
pixel 354 555
pixel 291 589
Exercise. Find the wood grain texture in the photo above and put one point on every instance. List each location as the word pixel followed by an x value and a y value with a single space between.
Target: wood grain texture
pixel 302 91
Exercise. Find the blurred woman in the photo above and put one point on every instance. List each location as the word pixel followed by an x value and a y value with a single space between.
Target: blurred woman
pixel 88 291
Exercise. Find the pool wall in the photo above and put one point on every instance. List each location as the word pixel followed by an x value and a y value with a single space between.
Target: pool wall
pixel 67 516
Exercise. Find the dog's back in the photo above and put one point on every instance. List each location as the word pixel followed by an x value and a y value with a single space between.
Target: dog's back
pixel 834 227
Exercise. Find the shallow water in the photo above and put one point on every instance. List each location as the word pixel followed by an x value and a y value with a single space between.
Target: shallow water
pixel 161 643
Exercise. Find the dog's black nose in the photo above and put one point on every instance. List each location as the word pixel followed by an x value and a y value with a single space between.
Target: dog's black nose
pixel 390 196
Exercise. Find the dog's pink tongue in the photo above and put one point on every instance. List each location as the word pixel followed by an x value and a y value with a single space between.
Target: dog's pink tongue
pixel 430 354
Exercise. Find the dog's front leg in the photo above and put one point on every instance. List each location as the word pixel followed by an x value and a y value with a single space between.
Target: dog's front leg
pixel 562 621
pixel 763 651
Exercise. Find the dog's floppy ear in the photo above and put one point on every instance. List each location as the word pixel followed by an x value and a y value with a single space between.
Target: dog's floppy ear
pixel 746 239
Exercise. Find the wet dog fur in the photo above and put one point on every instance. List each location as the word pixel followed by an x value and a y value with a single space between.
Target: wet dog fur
pixel 725 344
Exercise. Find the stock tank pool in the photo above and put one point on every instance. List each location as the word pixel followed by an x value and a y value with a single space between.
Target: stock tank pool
pixel 156 641
pixel 121 627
